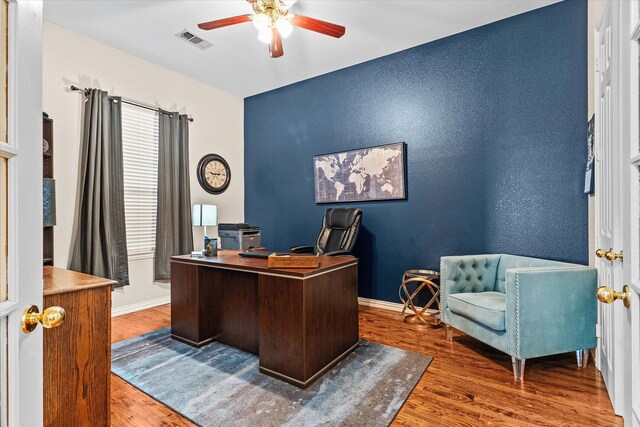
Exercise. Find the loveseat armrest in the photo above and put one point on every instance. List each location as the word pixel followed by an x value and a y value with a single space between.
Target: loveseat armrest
pixel 550 310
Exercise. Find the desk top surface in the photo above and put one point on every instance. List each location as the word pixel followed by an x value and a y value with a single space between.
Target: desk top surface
pixel 231 259
pixel 59 280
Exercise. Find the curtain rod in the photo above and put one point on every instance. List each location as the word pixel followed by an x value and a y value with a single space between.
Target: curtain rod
pixel 128 101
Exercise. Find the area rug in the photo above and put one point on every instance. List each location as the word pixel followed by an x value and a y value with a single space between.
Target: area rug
pixel 219 385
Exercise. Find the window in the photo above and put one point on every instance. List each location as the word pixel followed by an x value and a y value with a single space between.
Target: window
pixel 140 159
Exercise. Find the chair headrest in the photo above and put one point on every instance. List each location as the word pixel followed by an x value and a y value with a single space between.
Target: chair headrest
pixel 341 217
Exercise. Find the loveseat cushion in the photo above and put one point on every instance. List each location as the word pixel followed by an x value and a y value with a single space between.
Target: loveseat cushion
pixel 486 308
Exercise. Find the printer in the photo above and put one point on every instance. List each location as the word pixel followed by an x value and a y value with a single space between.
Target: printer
pixel 239 236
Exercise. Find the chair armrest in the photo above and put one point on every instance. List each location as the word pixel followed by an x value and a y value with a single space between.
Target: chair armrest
pixel 301 249
pixel 550 310
pixel 334 253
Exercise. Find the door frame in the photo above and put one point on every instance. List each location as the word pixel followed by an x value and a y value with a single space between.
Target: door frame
pixel 623 316
pixel 632 275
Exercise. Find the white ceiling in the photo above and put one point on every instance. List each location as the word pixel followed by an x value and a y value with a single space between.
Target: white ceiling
pixel 240 64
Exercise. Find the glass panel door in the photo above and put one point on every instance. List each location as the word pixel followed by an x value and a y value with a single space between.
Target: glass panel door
pixel 21 355
pixel 4 161
pixel 4 176
pixel 4 205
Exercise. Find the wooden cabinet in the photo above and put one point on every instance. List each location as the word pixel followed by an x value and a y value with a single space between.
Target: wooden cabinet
pixel 77 354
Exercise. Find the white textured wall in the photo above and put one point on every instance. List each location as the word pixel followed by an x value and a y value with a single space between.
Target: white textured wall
pixel 70 58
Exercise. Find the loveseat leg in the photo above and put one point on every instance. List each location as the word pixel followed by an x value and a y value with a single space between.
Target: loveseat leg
pixel 448 332
pixel 582 357
pixel 518 368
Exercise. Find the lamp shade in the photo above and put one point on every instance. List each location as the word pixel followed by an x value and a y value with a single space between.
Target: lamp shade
pixel 204 215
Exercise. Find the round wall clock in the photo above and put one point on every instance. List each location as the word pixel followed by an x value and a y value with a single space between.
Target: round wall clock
pixel 214 174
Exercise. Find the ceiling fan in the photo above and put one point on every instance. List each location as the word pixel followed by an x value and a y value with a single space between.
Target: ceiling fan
pixel 274 22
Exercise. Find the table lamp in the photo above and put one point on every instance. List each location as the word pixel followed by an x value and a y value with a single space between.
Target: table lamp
pixel 204 216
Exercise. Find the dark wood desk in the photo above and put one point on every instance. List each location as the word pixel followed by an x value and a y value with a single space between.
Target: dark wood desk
pixel 300 322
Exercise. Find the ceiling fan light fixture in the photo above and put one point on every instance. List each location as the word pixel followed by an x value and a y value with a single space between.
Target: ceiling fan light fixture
pixel 274 22
pixel 284 27
pixel 261 22
pixel 265 35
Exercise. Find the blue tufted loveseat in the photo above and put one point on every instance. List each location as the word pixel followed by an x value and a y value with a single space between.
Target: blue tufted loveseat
pixel 525 307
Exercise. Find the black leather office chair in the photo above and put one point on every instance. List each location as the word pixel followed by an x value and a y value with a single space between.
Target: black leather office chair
pixel 338 234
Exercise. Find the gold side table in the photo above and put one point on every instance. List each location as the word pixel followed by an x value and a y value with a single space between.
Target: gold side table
pixel 426 280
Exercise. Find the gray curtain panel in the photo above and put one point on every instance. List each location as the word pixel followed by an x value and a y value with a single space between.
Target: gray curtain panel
pixel 173 226
pixel 99 244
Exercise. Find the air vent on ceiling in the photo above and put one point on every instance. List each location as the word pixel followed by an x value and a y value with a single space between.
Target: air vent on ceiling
pixel 193 39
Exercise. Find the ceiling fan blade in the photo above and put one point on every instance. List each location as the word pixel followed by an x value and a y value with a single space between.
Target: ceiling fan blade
pixel 212 25
pixel 275 48
pixel 322 27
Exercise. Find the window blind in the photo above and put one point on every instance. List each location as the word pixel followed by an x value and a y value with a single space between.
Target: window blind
pixel 140 161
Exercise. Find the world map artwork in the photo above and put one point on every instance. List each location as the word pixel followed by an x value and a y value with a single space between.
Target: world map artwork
pixel 375 173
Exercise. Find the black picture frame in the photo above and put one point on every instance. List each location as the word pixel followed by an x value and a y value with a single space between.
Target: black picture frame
pixel 401 160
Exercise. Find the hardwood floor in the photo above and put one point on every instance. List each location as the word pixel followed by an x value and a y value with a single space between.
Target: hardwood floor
pixel 467 384
pixel 129 406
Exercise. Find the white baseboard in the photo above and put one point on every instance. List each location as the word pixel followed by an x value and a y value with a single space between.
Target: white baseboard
pixel 119 311
pixel 385 305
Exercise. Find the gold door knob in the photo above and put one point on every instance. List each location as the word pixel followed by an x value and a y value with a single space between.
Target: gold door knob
pixel 608 295
pixel 612 256
pixel 51 317
pixel 600 253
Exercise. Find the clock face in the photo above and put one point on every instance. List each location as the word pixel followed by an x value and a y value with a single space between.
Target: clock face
pixel 214 174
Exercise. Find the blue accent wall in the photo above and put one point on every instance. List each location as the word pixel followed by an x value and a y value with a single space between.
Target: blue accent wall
pixel 495 125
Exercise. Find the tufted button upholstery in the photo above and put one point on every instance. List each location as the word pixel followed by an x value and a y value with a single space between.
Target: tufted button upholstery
pixel 469 274
pixel 482 273
pixel 513 261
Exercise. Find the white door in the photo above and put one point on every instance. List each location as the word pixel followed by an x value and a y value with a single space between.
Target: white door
pixel 618 204
pixel 20 211
pixel 607 194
